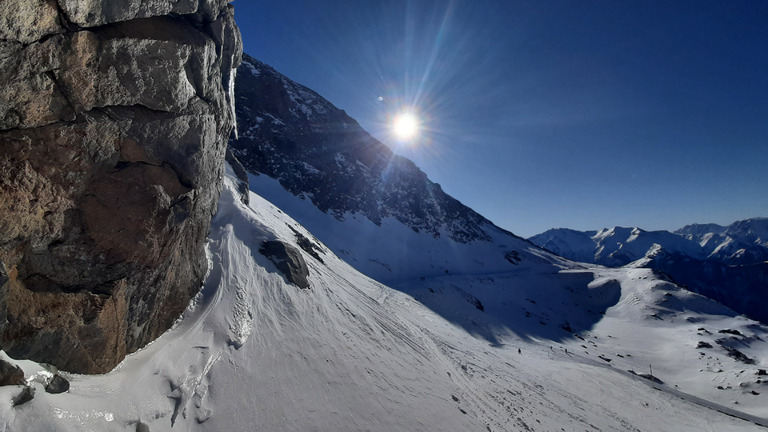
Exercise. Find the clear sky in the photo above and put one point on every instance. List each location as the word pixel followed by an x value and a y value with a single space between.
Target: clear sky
pixel 542 114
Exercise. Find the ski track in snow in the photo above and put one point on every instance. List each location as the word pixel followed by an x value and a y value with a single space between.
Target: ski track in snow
pixel 350 354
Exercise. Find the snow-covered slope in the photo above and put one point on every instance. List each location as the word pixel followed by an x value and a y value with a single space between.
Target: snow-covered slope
pixel 316 150
pixel 373 208
pixel 454 352
pixel 392 252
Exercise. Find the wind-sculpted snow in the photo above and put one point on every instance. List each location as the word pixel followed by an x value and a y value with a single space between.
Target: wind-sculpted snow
pixel 254 352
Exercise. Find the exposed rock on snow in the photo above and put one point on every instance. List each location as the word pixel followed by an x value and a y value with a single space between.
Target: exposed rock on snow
pixel 114 118
pixel 288 260
pixel 26 395
pixel 10 374
pixel 242 175
pixel 57 384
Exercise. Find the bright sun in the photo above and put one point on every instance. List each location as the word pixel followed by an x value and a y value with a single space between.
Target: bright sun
pixel 405 126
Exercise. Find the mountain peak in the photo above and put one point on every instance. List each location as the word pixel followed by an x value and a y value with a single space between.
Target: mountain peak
pixel 315 150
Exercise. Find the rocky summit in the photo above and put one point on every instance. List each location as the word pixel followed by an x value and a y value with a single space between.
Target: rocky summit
pixel 318 152
pixel 114 119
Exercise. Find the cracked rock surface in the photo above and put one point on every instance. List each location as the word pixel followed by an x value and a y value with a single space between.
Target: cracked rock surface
pixel 114 119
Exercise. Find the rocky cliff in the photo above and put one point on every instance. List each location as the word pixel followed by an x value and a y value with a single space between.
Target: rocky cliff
pixel 114 119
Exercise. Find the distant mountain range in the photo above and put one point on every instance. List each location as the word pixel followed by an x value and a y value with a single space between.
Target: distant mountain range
pixel 726 263
pixel 740 243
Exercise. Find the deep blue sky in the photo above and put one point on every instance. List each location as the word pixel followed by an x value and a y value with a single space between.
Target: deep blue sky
pixel 541 114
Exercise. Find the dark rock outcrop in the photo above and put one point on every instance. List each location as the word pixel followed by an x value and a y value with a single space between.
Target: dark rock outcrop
pixel 288 260
pixel 57 384
pixel 10 374
pixel 26 395
pixel 114 118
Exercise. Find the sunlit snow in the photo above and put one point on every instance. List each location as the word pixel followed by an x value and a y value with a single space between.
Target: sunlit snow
pixel 349 354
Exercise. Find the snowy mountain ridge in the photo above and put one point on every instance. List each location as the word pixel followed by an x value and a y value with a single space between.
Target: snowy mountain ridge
pixel 742 242
pixel 316 151
pixel 726 263
pixel 492 287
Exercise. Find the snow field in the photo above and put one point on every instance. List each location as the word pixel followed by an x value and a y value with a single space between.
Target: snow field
pixel 255 353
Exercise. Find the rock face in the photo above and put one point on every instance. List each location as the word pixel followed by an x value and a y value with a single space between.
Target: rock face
pixel 114 119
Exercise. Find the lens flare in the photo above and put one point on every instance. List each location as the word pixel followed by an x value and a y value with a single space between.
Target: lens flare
pixel 405 126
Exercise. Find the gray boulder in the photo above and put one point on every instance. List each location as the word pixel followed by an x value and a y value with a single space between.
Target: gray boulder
pixel 288 260
pixel 26 395
pixel 57 384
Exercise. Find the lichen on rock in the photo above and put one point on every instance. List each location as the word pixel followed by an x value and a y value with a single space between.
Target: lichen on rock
pixel 114 119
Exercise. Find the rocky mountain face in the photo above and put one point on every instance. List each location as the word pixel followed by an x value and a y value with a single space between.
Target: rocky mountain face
pixel 318 152
pixel 114 118
pixel 726 263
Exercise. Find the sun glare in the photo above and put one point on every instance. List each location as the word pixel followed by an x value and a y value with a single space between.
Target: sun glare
pixel 405 126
